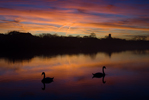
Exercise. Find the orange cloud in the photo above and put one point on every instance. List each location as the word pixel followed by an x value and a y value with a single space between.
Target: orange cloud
pixel 73 17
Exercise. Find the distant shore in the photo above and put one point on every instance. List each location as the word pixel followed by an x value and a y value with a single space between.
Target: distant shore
pixel 17 45
pixel 15 41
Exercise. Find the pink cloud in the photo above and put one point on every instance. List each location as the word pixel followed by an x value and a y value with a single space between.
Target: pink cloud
pixel 77 16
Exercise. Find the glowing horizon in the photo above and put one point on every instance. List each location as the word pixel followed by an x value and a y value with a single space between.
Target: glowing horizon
pixel 122 19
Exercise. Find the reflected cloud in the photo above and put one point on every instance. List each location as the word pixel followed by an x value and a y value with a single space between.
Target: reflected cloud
pixel 67 63
pixel 73 77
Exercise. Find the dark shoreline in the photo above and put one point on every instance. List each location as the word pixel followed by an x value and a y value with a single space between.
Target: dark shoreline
pixel 19 45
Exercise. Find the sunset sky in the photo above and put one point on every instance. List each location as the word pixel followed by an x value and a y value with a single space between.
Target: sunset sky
pixel 121 18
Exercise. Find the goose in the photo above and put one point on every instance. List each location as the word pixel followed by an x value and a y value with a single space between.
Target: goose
pixel 47 79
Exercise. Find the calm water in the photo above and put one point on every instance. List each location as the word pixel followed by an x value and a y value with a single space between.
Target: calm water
pixel 127 77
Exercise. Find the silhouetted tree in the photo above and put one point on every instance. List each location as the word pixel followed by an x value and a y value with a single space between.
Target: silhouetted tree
pixel 140 38
pixel 78 36
pixel 45 35
pixel 70 36
pixel 17 33
pixel 48 35
pixel 92 35
pixel 15 40
pixel 13 33
pixel 85 36
pixel 55 35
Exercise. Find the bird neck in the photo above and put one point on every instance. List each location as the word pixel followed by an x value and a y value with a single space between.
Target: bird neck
pixel 43 75
pixel 103 70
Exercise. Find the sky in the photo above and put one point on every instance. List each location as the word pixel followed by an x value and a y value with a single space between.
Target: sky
pixel 121 18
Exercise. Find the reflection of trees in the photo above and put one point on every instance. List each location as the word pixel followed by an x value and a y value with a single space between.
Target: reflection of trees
pixel 28 56
pixel 109 54
pixel 141 52
pixel 9 66
pixel 18 57
pixel 93 55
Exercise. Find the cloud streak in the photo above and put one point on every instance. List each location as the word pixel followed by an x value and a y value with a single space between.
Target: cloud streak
pixel 71 17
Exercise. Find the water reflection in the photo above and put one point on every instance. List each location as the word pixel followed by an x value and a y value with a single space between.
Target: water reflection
pixel 102 79
pixel 46 80
pixel 72 77
pixel 100 75
pixel 28 56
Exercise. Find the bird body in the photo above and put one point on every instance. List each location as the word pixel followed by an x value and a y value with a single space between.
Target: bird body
pixel 47 79
pixel 98 75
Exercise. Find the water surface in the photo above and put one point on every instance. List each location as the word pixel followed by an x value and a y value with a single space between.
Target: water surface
pixel 126 77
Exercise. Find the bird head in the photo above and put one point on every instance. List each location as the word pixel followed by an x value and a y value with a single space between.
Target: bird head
pixel 43 73
pixel 104 67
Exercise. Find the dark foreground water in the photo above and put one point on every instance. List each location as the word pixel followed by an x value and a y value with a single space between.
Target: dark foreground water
pixel 127 77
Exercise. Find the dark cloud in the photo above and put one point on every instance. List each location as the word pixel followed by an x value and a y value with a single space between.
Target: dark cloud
pixel 10 21
pixel 82 11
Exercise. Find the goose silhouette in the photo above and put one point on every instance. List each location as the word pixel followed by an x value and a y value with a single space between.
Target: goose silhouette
pixel 46 80
pixel 99 75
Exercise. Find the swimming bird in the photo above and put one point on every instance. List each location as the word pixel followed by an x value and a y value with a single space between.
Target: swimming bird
pixel 47 79
pixel 99 75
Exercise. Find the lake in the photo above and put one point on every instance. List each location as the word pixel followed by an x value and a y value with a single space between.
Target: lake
pixel 126 77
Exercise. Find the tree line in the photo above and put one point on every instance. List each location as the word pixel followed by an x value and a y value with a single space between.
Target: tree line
pixel 20 41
